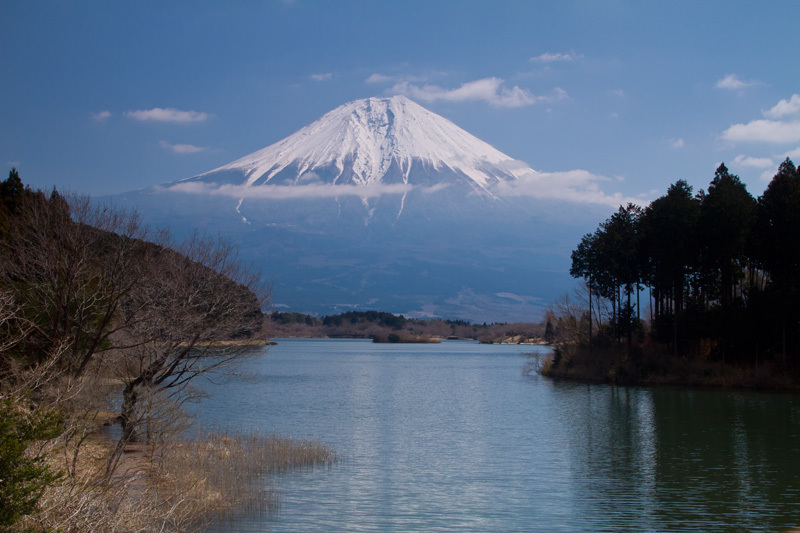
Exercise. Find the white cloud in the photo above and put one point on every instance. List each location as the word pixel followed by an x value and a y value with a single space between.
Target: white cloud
pixel 785 107
pixel 379 78
pixel 677 143
pixel 767 175
pixel 436 188
pixel 733 83
pixel 182 148
pixel 287 192
pixel 619 93
pixel 771 131
pixel 753 162
pixel 159 114
pixel 547 57
pixel 322 77
pixel 101 116
pixel 573 185
pixel 491 90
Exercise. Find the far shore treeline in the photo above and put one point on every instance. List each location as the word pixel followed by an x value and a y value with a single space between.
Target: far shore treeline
pixel 381 326
pixel 692 279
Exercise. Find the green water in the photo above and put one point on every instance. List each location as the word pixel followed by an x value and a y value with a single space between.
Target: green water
pixel 455 437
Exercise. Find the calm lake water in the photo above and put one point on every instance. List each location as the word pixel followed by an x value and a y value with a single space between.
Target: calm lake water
pixel 455 437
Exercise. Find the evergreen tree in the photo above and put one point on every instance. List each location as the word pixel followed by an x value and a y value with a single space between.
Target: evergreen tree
pixel 670 238
pixel 23 476
pixel 777 238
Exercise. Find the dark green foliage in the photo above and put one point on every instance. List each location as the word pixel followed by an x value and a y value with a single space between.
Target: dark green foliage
pixel 375 317
pixel 284 318
pixel 23 477
pixel 12 201
pixel 722 269
pixel 549 332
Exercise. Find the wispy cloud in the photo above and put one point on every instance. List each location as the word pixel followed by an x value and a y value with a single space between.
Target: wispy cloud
pixel 785 107
pixel 767 175
pixel 379 78
pixel 182 148
pixel 160 114
pixel 101 116
pixel 733 83
pixel 548 57
pixel 794 155
pixel 753 162
pixel 677 143
pixel 491 90
pixel 322 77
pixel 287 192
pixel 573 185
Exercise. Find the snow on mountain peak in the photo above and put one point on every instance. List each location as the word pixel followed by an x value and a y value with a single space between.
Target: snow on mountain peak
pixel 360 141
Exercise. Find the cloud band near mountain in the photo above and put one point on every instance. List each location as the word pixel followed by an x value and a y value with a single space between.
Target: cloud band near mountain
pixel 578 186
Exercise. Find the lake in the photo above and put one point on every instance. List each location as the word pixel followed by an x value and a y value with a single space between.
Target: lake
pixel 456 437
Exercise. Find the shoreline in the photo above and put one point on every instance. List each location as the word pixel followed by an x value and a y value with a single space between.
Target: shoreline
pixel 652 371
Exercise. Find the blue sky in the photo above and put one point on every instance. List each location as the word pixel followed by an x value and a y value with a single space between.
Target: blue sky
pixel 105 97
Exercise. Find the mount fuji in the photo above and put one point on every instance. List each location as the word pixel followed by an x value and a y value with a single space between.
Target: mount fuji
pixel 382 204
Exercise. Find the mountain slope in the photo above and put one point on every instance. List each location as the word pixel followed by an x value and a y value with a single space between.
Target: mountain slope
pixel 372 141
pixel 382 204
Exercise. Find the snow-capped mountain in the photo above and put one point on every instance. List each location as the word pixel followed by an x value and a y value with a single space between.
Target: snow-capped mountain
pixel 375 141
pixel 382 204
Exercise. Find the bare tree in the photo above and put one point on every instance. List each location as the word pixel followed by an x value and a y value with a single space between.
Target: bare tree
pixel 84 295
pixel 200 306
pixel 68 268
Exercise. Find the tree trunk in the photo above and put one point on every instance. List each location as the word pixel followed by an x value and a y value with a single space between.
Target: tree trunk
pixel 590 315
pixel 629 325
pixel 127 416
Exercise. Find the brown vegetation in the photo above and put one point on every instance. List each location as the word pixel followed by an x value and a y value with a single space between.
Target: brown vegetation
pixel 185 487
pixel 103 321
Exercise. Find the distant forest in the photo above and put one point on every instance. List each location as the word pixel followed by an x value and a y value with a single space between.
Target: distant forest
pixel 719 271
pixel 387 327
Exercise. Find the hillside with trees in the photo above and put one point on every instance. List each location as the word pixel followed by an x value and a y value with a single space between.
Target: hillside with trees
pixel 388 327
pixel 105 321
pixel 693 288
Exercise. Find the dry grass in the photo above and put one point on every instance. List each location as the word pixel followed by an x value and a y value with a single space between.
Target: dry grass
pixel 227 472
pixel 191 485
